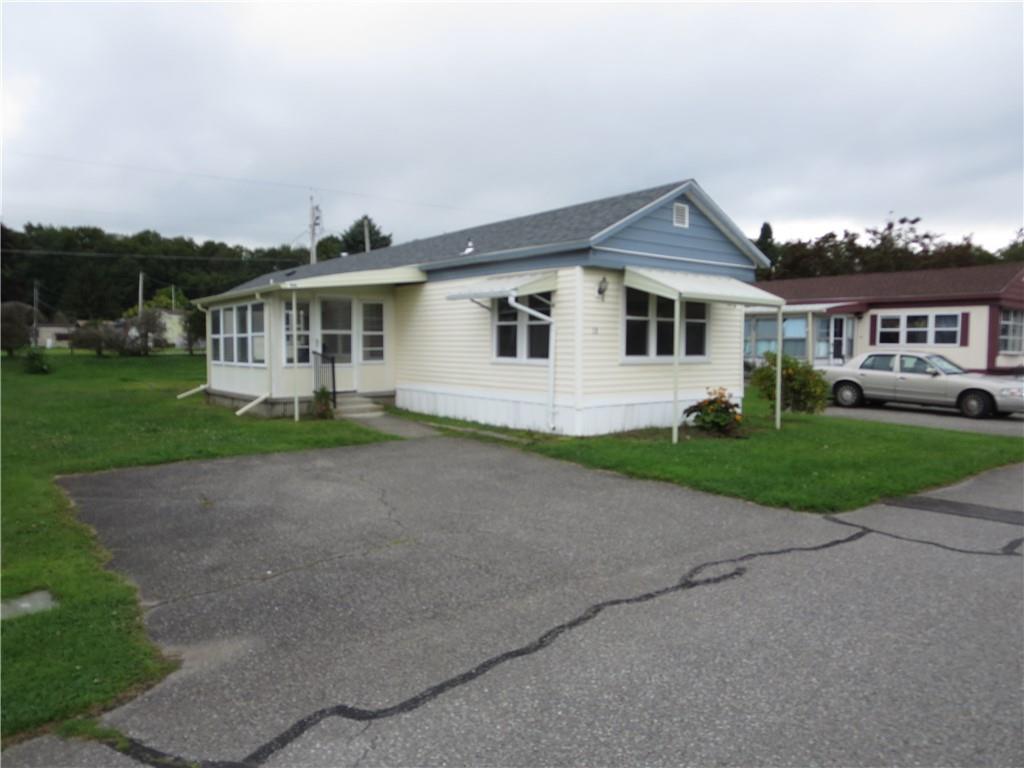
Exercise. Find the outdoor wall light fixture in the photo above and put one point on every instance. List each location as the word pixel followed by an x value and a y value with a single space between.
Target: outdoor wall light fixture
pixel 602 288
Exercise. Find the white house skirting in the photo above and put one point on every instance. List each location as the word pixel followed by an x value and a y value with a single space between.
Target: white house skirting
pixel 528 410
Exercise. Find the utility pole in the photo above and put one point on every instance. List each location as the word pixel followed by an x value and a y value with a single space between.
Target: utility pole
pixel 140 295
pixel 366 233
pixel 35 313
pixel 314 222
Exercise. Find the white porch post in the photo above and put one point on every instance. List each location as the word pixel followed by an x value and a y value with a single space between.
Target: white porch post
pixel 295 356
pixel 778 370
pixel 675 372
pixel 810 338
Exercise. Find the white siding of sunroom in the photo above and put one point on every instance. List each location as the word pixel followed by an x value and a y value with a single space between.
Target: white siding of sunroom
pixel 447 364
pixel 619 393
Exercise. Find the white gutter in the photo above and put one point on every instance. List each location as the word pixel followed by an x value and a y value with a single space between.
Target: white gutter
pixel 550 321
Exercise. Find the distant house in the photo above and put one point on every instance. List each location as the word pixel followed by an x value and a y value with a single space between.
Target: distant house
pixel 599 317
pixel 55 335
pixel 972 315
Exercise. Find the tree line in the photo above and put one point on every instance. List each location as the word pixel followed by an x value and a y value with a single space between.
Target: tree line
pixel 896 246
pixel 86 273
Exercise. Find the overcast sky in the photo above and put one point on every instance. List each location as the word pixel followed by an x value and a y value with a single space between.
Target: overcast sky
pixel 436 117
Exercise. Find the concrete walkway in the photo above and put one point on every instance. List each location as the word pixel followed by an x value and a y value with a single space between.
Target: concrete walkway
pixel 442 601
pixel 399 427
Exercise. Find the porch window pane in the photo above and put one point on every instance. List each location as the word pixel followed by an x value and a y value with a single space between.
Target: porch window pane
pixel 229 321
pixel 257 318
pixel 259 354
pixel 229 345
pixel 665 308
pixel 243 349
pixel 338 346
pixel 336 315
pixel 215 322
pixel 695 311
pixel 505 312
pixel 243 318
pixel 821 337
pixel 794 347
pixel 636 337
pixel 215 348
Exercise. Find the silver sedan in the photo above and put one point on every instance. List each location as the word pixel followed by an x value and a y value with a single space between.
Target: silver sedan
pixel 923 379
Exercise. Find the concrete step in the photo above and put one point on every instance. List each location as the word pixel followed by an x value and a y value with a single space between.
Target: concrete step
pixel 365 415
pixel 349 410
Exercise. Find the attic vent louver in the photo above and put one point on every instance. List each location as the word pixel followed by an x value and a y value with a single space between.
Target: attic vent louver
pixel 681 215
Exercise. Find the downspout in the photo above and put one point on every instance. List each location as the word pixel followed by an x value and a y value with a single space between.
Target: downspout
pixel 206 386
pixel 550 321
pixel 675 372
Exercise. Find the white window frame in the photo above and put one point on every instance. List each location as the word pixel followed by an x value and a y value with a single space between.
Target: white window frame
pixel 652 355
pixel 224 339
pixel 522 324
pixel 1011 331
pixel 930 330
pixel 286 335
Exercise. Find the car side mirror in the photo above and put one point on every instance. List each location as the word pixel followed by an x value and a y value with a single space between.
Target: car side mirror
pixel 933 373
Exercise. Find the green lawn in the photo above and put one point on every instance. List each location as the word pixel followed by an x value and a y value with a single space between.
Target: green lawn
pixel 815 463
pixel 92 414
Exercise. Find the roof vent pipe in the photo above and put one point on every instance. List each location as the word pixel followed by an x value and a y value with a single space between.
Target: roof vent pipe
pixel 469 248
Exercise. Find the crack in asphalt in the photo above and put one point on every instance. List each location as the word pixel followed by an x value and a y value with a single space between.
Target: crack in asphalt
pixel 147 755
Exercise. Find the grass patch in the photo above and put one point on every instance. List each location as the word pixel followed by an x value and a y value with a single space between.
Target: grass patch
pixel 94 414
pixel 815 463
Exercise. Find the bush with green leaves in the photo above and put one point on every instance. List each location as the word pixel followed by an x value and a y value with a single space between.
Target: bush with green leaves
pixel 323 404
pixel 35 361
pixel 803 388
pixel 716 413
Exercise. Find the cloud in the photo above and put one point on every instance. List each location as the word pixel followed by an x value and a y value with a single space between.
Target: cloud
pixel 435 117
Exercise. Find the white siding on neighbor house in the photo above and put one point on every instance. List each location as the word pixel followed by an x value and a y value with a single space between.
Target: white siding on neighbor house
pixel 974 356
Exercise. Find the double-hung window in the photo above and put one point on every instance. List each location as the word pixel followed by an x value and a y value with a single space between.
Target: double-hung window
pixel 919 329
pixel 301 336
pixel 519 335
pixel 373 331
pixel 1011 331
pixel 237 334
pixel 649 326
pixel 336 329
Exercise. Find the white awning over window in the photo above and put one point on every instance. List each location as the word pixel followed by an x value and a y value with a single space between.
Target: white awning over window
pixel 694 286
pixel 503 286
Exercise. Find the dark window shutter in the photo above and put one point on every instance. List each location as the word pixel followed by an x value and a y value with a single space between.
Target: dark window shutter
pixel 874 330
pixel 965 328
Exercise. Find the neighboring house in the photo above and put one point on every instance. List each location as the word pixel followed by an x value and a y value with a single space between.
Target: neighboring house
pixel 560 321
pixel 972 315
pixel 53 335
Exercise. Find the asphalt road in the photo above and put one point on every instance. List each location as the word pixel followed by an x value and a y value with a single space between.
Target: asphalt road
pixel 938 418
pixel 447 602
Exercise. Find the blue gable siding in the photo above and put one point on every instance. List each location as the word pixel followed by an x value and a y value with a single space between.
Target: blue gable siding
pixel 655 233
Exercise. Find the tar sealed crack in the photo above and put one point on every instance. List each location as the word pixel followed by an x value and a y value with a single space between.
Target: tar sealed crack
pixel 692 579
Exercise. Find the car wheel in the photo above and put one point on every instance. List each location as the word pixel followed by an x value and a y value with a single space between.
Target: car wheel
pixel 848 395
pixel 975 405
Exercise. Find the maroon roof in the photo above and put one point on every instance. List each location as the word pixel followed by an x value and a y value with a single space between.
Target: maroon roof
pixel 991 281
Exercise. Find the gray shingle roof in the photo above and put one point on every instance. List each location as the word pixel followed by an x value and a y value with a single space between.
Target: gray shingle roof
pixel 562 225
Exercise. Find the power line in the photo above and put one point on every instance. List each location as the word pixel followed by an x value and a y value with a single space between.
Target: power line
pixel 247 180
pixel 153 256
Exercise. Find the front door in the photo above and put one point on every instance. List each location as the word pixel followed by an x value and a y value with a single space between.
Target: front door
pixel 838 340
pixel 336 340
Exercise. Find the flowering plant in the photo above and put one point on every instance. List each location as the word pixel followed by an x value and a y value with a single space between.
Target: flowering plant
pixel 716 413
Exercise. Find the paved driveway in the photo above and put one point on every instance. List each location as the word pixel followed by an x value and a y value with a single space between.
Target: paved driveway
pixel 939 418
pixel 447 602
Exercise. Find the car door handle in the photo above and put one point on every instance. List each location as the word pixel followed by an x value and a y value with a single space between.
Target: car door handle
pixel 902 378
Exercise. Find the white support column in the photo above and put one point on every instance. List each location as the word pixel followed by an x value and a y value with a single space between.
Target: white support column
pixel 810 338
pixel 778 370
pixel 295 355
pixel 675 372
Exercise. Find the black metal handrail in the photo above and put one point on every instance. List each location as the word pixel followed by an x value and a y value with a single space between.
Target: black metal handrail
pixel 323 375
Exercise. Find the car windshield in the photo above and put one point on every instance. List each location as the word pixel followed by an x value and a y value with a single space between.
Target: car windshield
pixel 945 364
